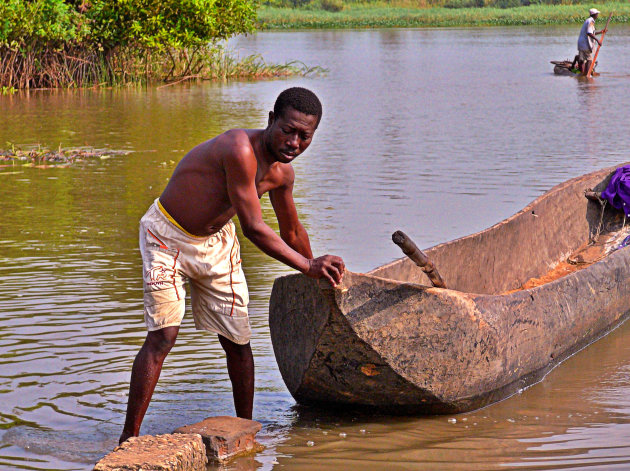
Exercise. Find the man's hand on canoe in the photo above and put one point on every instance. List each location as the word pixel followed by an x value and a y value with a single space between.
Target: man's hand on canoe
pixel 330 267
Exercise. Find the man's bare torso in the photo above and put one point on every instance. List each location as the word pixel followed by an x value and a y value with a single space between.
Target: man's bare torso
pixel 196 196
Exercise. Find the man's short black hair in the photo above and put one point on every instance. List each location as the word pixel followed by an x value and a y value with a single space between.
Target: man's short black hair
pixel 300 99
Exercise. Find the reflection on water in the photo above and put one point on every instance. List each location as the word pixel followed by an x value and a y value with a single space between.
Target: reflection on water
pixel 437 132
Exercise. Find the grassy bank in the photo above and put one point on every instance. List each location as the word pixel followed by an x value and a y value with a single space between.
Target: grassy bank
pixel 80 68
pixel 381 15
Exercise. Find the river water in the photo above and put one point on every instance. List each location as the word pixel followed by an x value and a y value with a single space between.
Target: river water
pixel 439 132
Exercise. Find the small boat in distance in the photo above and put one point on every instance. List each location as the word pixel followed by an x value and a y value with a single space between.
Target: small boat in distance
pixel 522 296
pixel 564 68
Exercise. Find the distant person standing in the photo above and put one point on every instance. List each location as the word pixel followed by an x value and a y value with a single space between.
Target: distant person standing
pixel 586 42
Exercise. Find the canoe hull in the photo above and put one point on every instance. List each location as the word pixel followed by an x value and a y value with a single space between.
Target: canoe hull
pixel 564 68
pixel 407 348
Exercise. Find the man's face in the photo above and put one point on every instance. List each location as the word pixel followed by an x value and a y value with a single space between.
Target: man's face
pixel 290 134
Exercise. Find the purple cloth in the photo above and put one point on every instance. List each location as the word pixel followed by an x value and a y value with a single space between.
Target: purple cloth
pixel 618 190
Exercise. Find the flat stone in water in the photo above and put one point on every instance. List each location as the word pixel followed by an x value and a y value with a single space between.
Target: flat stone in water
pixel 169 452
pixel 225 436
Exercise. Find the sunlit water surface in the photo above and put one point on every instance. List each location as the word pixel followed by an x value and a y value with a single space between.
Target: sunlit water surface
pixel 439 133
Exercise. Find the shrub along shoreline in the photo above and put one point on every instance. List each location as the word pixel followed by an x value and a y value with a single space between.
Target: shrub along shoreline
pixel 85 43
pixel 64 68
pixel 383 15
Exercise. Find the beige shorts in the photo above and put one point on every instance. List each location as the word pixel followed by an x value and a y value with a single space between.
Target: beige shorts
pixel 211 265
pixel 585 55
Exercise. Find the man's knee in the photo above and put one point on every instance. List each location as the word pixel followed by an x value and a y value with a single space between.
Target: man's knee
pixel 235 350
pixel 161 341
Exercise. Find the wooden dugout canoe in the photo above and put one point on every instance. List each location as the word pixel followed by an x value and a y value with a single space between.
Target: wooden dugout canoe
pixel 386 339
pixel 564 68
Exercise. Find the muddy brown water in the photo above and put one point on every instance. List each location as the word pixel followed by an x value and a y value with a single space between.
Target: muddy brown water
pixel 438 133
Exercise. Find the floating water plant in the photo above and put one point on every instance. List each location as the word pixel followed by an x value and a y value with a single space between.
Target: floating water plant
pixel 44 157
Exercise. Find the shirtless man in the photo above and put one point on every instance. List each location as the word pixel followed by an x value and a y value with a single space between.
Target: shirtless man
pixel 188 235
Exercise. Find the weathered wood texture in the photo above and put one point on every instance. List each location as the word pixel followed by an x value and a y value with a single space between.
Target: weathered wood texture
pixel 225 437
pixel 411 250
pixel 386 339
pixel 170 452
pixel 521 247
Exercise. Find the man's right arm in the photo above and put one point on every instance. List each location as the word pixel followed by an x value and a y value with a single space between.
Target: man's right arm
pixel 592 35
pixel 240 169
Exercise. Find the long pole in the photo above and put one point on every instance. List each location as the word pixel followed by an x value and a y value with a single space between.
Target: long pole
pixel 601 41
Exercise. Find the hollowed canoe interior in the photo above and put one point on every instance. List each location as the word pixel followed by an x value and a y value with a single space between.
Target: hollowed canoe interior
pixel 527 249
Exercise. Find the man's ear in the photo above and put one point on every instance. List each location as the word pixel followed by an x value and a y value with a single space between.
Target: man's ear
pixel 271 117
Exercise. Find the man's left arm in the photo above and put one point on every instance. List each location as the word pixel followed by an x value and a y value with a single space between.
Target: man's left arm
pixel 291 229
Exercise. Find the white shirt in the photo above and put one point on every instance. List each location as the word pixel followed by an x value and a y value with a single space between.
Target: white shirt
pixel 586 43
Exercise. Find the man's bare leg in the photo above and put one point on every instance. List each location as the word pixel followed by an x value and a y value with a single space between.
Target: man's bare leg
pixel 240 363
pixel 144 376
pixel 587 65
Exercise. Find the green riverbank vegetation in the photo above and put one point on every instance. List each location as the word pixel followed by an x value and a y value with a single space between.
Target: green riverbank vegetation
pixel 78 43
pixel 83 43
pixel 304 14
